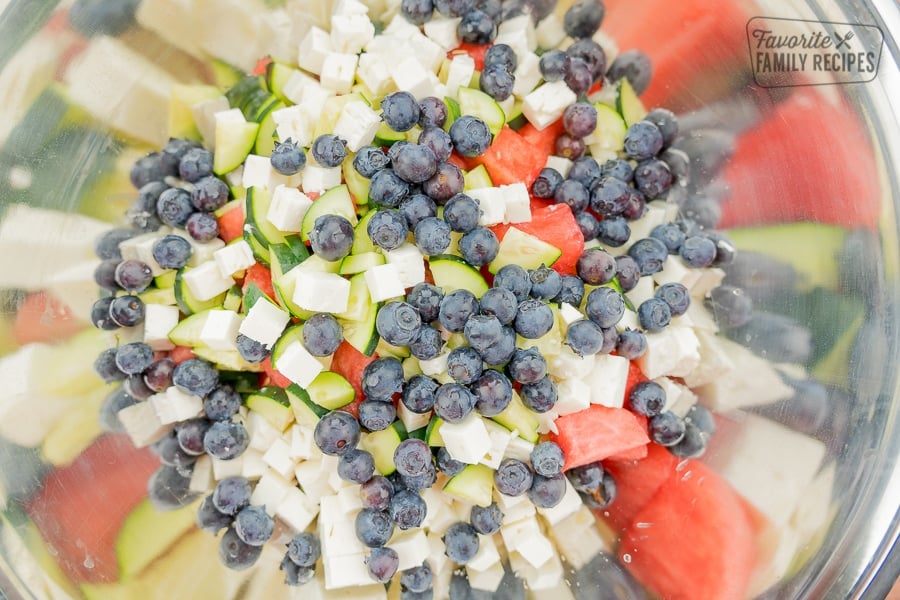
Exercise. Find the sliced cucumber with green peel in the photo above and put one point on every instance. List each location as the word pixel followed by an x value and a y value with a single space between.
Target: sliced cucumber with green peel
pixel 361 241
pixel 234 297
pixel 286 256
pixel 453 111
pixel 360 263
pixel 525 250
pixel 289 336
pixel 336 201
pixel 385 349
pixel 273 404
pixel 356 183
pixel 260 251
pixel 241 381
pixel 475 483
pixel 166 279
pixel 228 360
pixel 520 418
pixel 381 445
pixel 234 141
pixel 611 128
pixel 251 296
pixel 266 136
pixel 187 332
pixel 187 302
pixel 330 390
pixel 629 104
pixel 306 412
pixel 477 178
pixel 477 103
pixel 358 306
pixel 277 76
pixel 453 273
pixel 257 209
pixel 362 333
pixel 433 435
pixel 385 136
pixel 155 295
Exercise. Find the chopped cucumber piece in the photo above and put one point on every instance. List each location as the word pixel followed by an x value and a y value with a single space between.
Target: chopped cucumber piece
pixel 272 403
pixel 165 279
pixel 474 483
pixel 629 104
pixel 477 103
pixel 360 263
pixel 525 250
pixel 518 417
pixel 336 201
pixel 286 256
pixel 277 76
pixel 154 295
pixel 234 297
pixel 357 184
pixel 477 178
pixel 361 241
pixel 260 251
pixel 265 138
pixel 290 335
pixel 381 445
pixel 331 390
pixel 433 435
pixel 228 360
pixel 453 273
pixel 385 136
pixel 610 131
pixel 187 302
pixel 385 349
pixel 359 304
pixel 306 412
pixel 251 295
pixel 257 209
pixel 187 332
pixel 361 333
pixel 234 141
pixel 453 111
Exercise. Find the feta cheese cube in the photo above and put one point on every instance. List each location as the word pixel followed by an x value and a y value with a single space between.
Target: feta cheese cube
pixel 264 322
pixel 608 380
pixel 201 252
pixel 350 499
pixel 174 405
pixel 492 204
pixel 528 75
pixel 487 554
pixel 574 395
pixel 518 33
pixel 675 271
pixel 438 516
pixel 338 72
pixel 577 537
pixel 568 365
pixel 322 292
pixel 262 433
pixel 442 31
pixel 159 320
pixel 409 74
pixel 294 123
pixel 234 257
pixel 357 125
pixel 715 361
pixel 204 114
pixel 545 577
pixel 500 437
pixel 345 571
pixel 487 580
pixel 411 546
pixel 629 320
pixel 655 215
pixel 270 491
pixel 220 330
pixel 674 351
pixel 517 203
pixel 295 510
pixel 411 420
pixel 401 28
pixel 429 53
pixel 459 74
pixel 434 366
pixel 641 292
pixel 313 49
pixel 302 442
pixel 559 163
pixel 288 207
pixel 570 313
pixel 312 480
pixel 384 282
pixel 142 424
pixel 567 507
pixel 349 7
pixel 709 279
pixel 519 449
pixel 467 441
pixel 252 465
pixel 223 469
pixel 298 365
pixel 547 103
pixel 336 530
pixel 550 32
pixel 525 537
pixel 350 33
pixel 410 262
pixel 202 475
pixel 206 281
pixel 278 458
pixel 315 178
pixel 258 172
pixel 373 72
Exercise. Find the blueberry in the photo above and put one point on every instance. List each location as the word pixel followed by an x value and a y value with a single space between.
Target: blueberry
pixel 101 317
pixel 584 337
pixel 568 147
pixel 464 364
pixel 287 157
pixel 476 27
pixel 619 168
pixel 588 224
pixel 547 459
pixel 595 266
pixel 481 331
pixel 579 75
pixel 501 54
pixel 190 435
pixel 726 251
pixel 497 81
pixel 667 123
pixel 398 323
pixel 105 366
pixel 427 345
pixel 500 303
pixel 731 306
pixel 195 376
pixel 479 246
pixel 336 432
pixel 382 378
pixel 136 387
pixel 670 235
pixel 580 119
pixel 356 466
pixel 609 196
pixel 631 344
pixel 376 493
pixel 418 393
pixel 614 232
pixel 590 52
pixel 642 140
pixel 172 251
pixel 545 283
pixel 400 111
pixel 486 520
pixel 461 542
pixel 513 477
pixel 203 227
pixel 571 290
pixel 425 298
pixel 332 235
pixel 158 376
pixel 432 113
pixel 407 509
pixel 251 350
pixel 304 549
pixel 196 164
pixel 421 481
pixel 375 415
pixel 649 254
pixel 676 296
pixel 601 496
pixel 461 213
pixel 697 251
pixel 134 358
pixel 678 160
pixel 586 478
pixel 225 440
pixel 237 554
pixel 527 366
pixel 209 194
pixel 585 170
pixel 126 311
pixel 115 401
pixel 633 65
pixel 232 494
pixel 417 580
pixel 605 306
pixel 636 206
pixel 382 564
pixel 647 398
pixel 470 135
pixel 141 215
pixel 447 181
pixel 432 236
pixel 395 148
pixel 174 207
pixel 653 178
pixel 387 229
pixel 447 464
pixel 412 457
pixel 583 18
pixel 453 402
pixel 573 194
pixel 106 247
pixel 500 352
pixel 322 334
pixel 628 272
pixel 209 519
pixel 692 444
pixel 546 183
pixel 539 396
pixel 415 163
pixel 387 189
pixel 417 11
pixel 701 418
pixel 329 150
pixel 534 319
pixel 456 308
pixel 369 160
pixel 295 575
pixel 493 393
pixel 253 525
pixel 147 169
pixel 438 140
pixel 654 315
pixel 666 428
pixel 169 488
pixel 547 491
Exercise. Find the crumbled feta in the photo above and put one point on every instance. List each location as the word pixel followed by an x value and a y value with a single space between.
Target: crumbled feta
pixel 295 510
pixel 318 179
pixel 517 203
pixel 560 164
pixel 373 72
pixel 442 30
pixel 487 554
pixel 577 537
pixel 528 74
pixel 409 74
pixel 674 351
pixel 459 73
pixel 338 72
pixel 142 424
pixel 384 282
pixel 262 433
pixel 526 538
pixel 159 320
pixel 264 322
pixel 252 465
pixel 314 47
pixel 410 262
pixel 519 34
pixel 298 365
pixel 278 458
pixel 487 580
pixel 175 405
pixel 321 292
pixel 202 475
pixel 574 395
pixel 608 380
pixel 467 441
pixel 411 420
pixel 350 33
pixel 411 547
pixel 546 104
pixel 567 507
pixel 270 491
pixel 302 442
pixel 223 469
pixel 357 125
pixel 519 448
pixel 234 257
pixel 492 204
pixel 500 437
pixel 568 365
pixel 220 330
pixel 288 207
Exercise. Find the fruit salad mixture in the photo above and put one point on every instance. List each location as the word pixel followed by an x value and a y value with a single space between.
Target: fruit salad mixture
pixel 416 299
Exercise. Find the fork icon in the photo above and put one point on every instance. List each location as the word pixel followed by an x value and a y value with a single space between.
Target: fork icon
pixel 842 41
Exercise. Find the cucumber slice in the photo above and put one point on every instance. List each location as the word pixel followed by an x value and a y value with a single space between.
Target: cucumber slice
pixel 290 335
pixel 286 256
pixel 360 263
pixel 234 141
pixel 251 295
pixel 241 381
pixel 477 103
pixel 357 184
pixel 385 136
pixel 257 209
pixel 475 483
pixel 154 295
pixel 336 201
pixel 331 390
pixel 385 349
pixel 518 417
pixel 181 117
pixel 453 111
pixel 187 302
pixel 165 279
pixel 260 252
pixel 277 76
pixel 381 445
pixel 272 403
pixel 361 241
pixel 360 300
pixel 610 131
pixel 228 360
pixel 233 299
pixel 362 334
pixel 306 412
pixel 453 273
pixel 629 104
pixel 524 249
pixel 265 138
pixel 187 332
pixel 477 178
pixel 433 435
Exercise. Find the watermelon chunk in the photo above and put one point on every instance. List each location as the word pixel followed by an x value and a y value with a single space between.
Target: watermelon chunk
pixel 511 158
pixel 554 224
pixel 542 141
pixel 598 432
pixel 231 223
pixel 350 363
pixel 694 539
pixel 637 481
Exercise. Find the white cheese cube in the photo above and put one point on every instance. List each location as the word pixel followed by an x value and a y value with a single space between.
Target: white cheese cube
pixel 643 291
pixel 322 292
pixel 674 351
pixel 401 28
pixel 675 271
pixel 278 458
pixel 434 366
pixel 223 469
pixel 570 313
pixel 312 480
pixel 230 115
pixel 234 257
pixel 201 252
pixel 753 381
pixel 528 75
pixel 258 171
pixel 338 72
pixel 655 215
pixel 487 554
pixel 519 449
pixel 252 465
pixel 309 97
pixel 698 317
pixel 491 203
pixel 629 320
pixel 142 424
pixel 202 475
pixel 262 433
pixel 337 530
pixel 518 33
pixel 709 279
pixel 608 380
pixel 676 395
pixel 220 330
pixel 159 320
pixel 298 365
pixel 350 499
pixel 302 442
pixel 442 31
pixel 318 179
pixel 460 73
pixel 715 360
pixel 515 508
pixel 295 510
pixel 288 207
pixel 350 33
pixel 314 47
pixel 410 262
pixel 560 164
pixel 574 396
pixel 384 282
pixel 206 281
pixel 175 405
pixel 546 104
pixel 568 365
pixel 357 125
pixel 411 546
pixel 264 322
pixel 204 114
pixel 349 7
pixel 517 203
pixel 440 516
pixel 346 571
pixel 409 74
pixel 270 491
pixel 525 537
pixel 467 441
pixel 294 123
pixel 567 507
pixel 550 32
pixel 411 420
pixel 487 580
pixel 500 437
pixel 143 250
pixel 577 537
pixel 538 579
pixel 429 53
pixel 373 72
pixel 547 422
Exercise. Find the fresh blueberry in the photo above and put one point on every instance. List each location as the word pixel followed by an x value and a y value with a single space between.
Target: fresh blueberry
pixel 127 311
pixel 628 272
pixel 470 135
pixel 115 401
pixel 631 344
pixel 479 246
pixel 654 315
pixel 726 251
pixel 534 319
pixel 633 65
pixel 571 290
pixel 232 494
pixel 101 317
pixel 587 477
pixel 545 283
pixel 172 251
pixel 653 178
pixel 100 17
pixel 432 236
pixel 701 418
pixel 203 227
pixel 329 150
pixel 253 525
pixel 692 444
pixel 493 393
pixel 438 140
pixel 336 432
pixel 497 81
pixel 375 415
pixel 697 251
pixel 225 440
pixel 209 194
pixel 418 393
pixel 590 52
pixel 569 147
pixel 412 457
pixel 400 111
pixel 595 266
pixel 482 331
pixel 539 396
pixel 417 580
pixel 295 575
pixel 304 549
pixel 643 140
pixel 614 231
pixel 731 306
pixel 195 376
pixel 425 298
pixel 453 402
pixel 670 235
pixel 105 366
pixel 382 378
pixel 134 358
pixel 583 18
pixel 588 224
pixel 432 113
pixel 676 296
pixel 387 229
pixel 500 303
pixel 196 164
pixel 158 376
pixel 580 119
pixel 476 27
pixel 415 163
pixel 464 364
pixel 387 189
pixel 547 491
pixel 447 181
pixel 547 459
pixel 513 477
pixel 147 169
pixel 447 464
pixel 398 323
pixel 647 398
pixel 356 466
pixel 370 160
pixel 573 194
pixel 251 350
pixel 190 435
pixel 461 212
pixel 601 496
pixel 461 542
pixel 428 344
pixel 546 183
pixel 322 334
pixel 501 54
pixel 382 563
pixel 417 11
pixel 585 170
pixel 579 75
pixel 209 519
pixel 136 387
pixel 236 554
pixel 605 306
pixel 456 308
pixel 174 207
pixel 619 168
pixel 376 493
pixel 407 509
pixel 635 206
pixel 500 352
pixel 527 366
pixel 395 149
pixel 486 520
pixel 422 481
pixel 584 337
pixel 678 160
pixel 609 195
pixel 667 428
pixel 106 247
pixel 553 65
pixel 649 254
pixel 287 157
pixel 667 123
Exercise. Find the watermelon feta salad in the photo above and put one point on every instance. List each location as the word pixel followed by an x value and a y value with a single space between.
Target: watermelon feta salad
pixel 411 299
